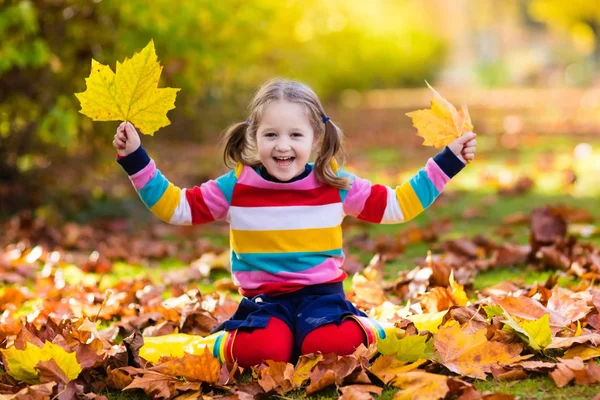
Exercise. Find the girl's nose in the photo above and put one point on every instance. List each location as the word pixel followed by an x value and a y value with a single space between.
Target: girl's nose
pixel 282 145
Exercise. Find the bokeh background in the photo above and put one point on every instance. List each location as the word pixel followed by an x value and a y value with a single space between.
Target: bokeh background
pixel 527 70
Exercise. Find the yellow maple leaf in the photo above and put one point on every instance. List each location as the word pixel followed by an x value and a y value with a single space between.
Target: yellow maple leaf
pixel 427 322
pixel 442 123
pixel 21 364
pixel 132 94
pixel 471 354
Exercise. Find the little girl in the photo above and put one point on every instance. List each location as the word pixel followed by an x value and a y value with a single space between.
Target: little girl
pixel 285 218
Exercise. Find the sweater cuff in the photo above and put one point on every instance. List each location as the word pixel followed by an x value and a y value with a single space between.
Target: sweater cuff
pixel 134 162
pixel 448 162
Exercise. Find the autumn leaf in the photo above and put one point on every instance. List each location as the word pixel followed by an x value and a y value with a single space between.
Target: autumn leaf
pixel 359 392
pixel 202 368
pixel 303 368
pixel 387 368
pixel 583 352
pixel 492 311
pixel 458 291
pixel 441 124
pixel 21 364
pixel 331 370
pixel 472 354
pixel 427 322
pixel 537 332
pixel 278 376
pixel 132 94
pixel 409 348
pixel 421 385
pixel 158 386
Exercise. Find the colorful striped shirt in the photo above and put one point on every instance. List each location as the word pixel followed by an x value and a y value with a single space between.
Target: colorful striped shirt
pixel 285 236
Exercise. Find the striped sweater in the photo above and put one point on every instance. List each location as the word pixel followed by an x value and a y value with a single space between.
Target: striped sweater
pixel 285 236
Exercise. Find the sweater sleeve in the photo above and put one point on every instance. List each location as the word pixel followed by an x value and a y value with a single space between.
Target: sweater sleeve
pixel 384 205
pixel 200 204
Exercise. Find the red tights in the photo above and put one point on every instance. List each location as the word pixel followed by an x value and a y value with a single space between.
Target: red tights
pixel 276 342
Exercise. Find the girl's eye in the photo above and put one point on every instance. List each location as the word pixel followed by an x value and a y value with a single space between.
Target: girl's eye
pixel 269 134
pixel 296 134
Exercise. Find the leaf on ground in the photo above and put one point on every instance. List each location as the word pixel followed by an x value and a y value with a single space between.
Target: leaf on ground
pixel 21 364
pixel 572 306
pixel 537 333
pixel 565 342
pixel 472 354
pixel 421 385
pixel 409 348
pixel 427 322
pixel 331 370
pixel 132 94
pixel 320 379
pixel 160 386
pixel 359 392
pixel 277 376
pixel 303 369
pixel 196 368
pixel 43 391
pixel 521 306
pixel 387 368
pixel 583 352
pixel 458 291
pixel 118 378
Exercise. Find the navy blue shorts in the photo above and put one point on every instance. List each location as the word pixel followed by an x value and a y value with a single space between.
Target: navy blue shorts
pixel 303 310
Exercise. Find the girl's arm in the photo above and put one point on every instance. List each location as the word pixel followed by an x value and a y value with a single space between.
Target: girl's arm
pixel 385 205
pixel 200 204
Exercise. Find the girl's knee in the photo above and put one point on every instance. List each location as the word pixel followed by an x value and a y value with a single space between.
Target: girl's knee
pixel 331 338
pixel 273 342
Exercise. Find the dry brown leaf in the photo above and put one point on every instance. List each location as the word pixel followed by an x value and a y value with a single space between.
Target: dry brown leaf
pixel 359 392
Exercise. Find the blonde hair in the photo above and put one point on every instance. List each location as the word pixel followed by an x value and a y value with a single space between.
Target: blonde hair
pixel 239 140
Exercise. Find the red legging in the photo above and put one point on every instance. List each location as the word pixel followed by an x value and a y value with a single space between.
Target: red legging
pixel 276 342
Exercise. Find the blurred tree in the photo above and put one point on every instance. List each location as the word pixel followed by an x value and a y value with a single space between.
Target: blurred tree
pixel 579 18
pixel 217 52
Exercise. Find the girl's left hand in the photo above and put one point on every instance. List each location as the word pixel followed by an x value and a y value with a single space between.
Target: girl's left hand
pixel 464 147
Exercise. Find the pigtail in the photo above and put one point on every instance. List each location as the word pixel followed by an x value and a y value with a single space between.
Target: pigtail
pixel 235 144
pixel 331 147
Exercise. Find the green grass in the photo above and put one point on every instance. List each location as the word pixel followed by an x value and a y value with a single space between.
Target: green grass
pixel 538 388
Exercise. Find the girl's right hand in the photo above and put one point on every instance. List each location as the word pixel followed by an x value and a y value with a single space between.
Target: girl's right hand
pixel 127 140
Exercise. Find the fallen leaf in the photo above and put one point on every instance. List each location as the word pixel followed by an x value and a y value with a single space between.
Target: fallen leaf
pixel 21 364
pixel 359 392
pixel 196 368
pixel 303 368
pixel 472 354
pixel 409 348
pixel 537 332
pixel 427 322
pixel 387 368
pixel 420 385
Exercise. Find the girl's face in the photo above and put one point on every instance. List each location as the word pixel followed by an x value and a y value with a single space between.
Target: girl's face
pixel 284 139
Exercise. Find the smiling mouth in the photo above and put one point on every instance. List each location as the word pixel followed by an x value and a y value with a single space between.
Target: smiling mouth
pixel 284 161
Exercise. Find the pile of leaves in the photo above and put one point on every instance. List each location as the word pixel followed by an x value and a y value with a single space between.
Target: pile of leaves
pixel 77 341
